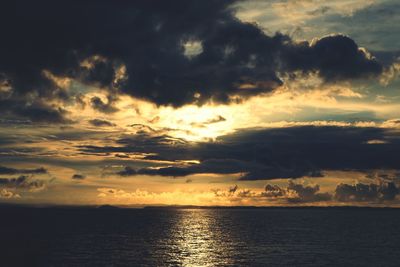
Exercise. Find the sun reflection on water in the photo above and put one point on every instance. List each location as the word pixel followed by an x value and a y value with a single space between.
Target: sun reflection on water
pixel 198 240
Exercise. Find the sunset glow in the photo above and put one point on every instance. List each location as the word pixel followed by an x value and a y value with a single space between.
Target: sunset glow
pixel 258 103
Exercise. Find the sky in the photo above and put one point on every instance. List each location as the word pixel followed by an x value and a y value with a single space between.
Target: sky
pixel 262 103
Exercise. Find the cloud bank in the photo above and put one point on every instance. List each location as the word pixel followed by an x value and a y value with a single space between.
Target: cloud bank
pixel 270 153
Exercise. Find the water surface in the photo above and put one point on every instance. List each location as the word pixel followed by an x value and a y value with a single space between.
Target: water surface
pixel 200 237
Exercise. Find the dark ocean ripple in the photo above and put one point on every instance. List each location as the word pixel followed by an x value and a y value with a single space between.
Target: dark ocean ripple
pixel 199 237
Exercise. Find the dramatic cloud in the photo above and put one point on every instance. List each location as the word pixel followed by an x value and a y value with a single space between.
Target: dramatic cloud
pixel 78 176
pixel 334 57
pixel 101 123
pixel 359 192
pixel 23 182
pixel 274 191
pixel 218 166
pixel 291 152
pixel 296 193
pixel 366 192
pixel 6 170
pixel 117 95
pixel 99 105
pixel 36 111
pixel 171 53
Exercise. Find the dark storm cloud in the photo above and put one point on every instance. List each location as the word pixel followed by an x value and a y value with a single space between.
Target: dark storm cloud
pixel 39 112
pixel 366 192
pixel 128 171
pixel 274 191
pixel 22 182
pixel 167 171
pixel 267 153
pixel 335 57
pixel 219 166
pixel 251 170
pixel 359 192
pixel 36 111
pixel 296 193
pixel 149 38
pixel 101 123
pixel 78 176
pixel 307 193
pixel 101 106
pixel 6 170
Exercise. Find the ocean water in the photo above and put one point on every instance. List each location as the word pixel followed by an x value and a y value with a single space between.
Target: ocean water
pixel 199 237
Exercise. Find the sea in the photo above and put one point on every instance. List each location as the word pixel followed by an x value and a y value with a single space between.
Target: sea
pixel 164 236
